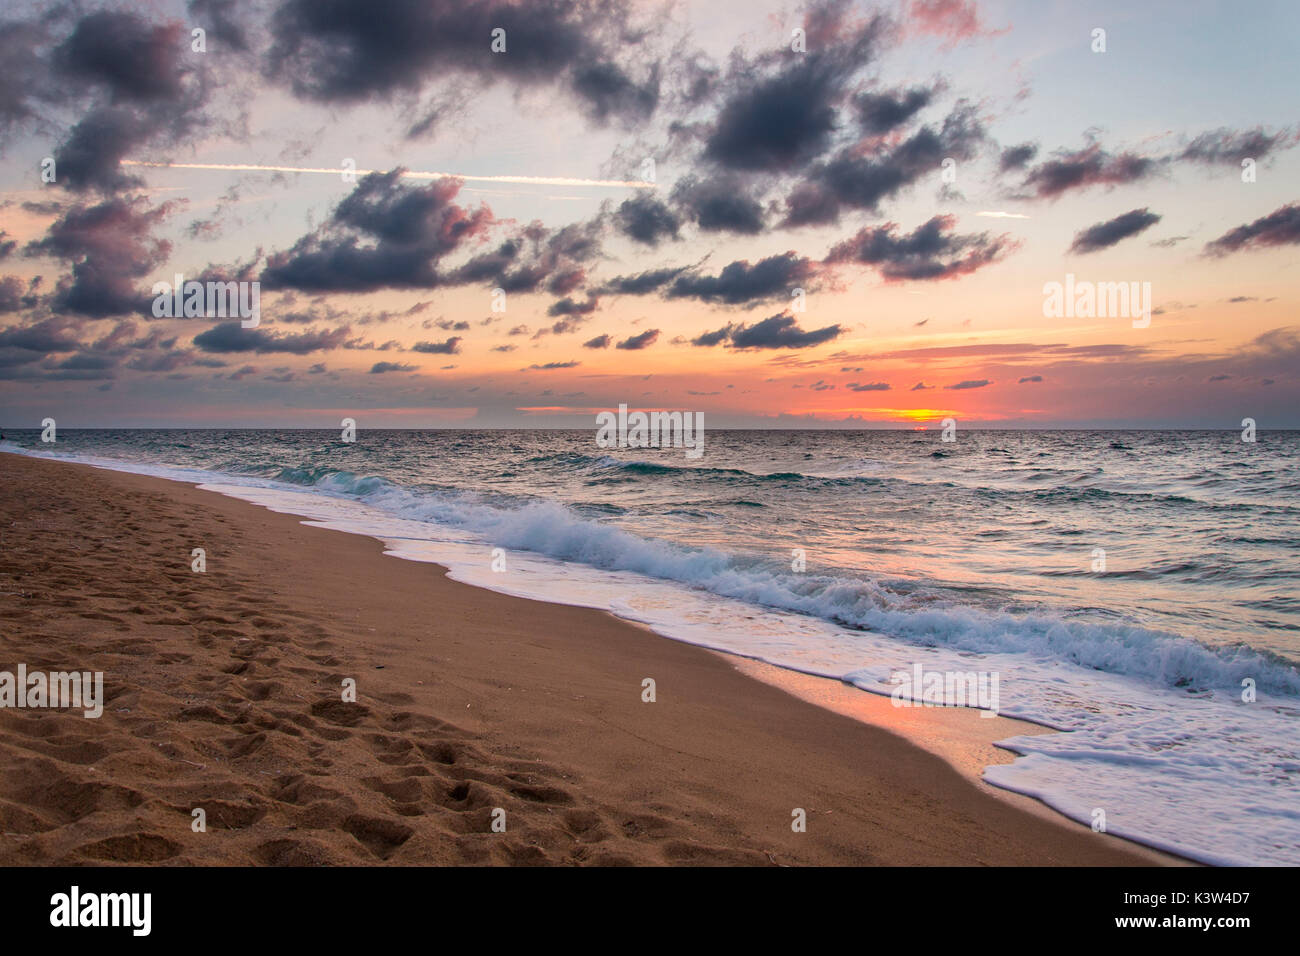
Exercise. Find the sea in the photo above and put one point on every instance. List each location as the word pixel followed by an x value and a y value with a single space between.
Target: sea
pixel 1135 590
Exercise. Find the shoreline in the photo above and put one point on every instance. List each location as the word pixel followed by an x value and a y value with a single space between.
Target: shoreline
pixel 725 798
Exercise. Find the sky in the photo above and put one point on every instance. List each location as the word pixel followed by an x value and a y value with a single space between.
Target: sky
pixel 837 214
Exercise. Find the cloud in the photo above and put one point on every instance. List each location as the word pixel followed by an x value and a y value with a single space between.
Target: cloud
pixel 929 252
pixel 641 283
pixel 921 387
pixel 647 219
pixel 449 347
pixel 551 365
pixel 571 307
pixel 352 51
pixel 231 337
pixel 868 387
pixel 110 246
pixel 1279 228
pixel 1230 146
pixel 781 121
pixel 1030 378
pixel 776 332
pixel 1090 166
pixel 951 19
pixel 380 367
pixel 720 204
pixel 599 342
pixel 1017 157
pixel 740 283
pixel 1103 235
pixel 880 113
pixel 969 383
pixel 641 341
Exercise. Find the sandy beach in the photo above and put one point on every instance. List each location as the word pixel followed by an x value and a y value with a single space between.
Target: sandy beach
pixel 224 692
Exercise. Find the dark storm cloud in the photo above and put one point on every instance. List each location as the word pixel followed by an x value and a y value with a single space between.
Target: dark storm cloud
pixel 647 220
pixel 221 19
pixel 853 179
pixel 110 246
pixel 740 283
pixel 929 252
pixel 720 204
pixel 783 120
pixel 1103 235
pixel 1279 228
pixel 22 81
pixel 449 347
pixel 779 331
pixel 572 307
pixel 231 337
pixel 351 51
pixel 881 112
pixel 641 283
pixel 133 59
pixel 1090 166
pixel 1231 146
pixel 42 338
pixel 641 341
pixel 135 69
pixel 1017 157
pixel 408 229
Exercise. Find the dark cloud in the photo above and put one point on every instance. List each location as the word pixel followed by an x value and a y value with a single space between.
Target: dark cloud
pixel 1231 146
pixel 1090 166
pixel 549 366
pixel 1030 378
pixel 449 347
pixel 720 204
pixel 647 219
pixel 1279 228
pixel 780 121
pixel 740 283
pixel 779 331
pixel 380 367
pixel 1103 235
pixel 868 387
pixel 929 252
pixel 1017 157
pixel 969 383
pixel 854 179
pixel 352 51
pixel 110 247
pixel 641 283
pixel 22 81
pixel 881 112
pixel 134 60
pixel 641 341
pixel 221 20
pixel 599 342
pixel 231 337
pixel 409 230
pixel 572 307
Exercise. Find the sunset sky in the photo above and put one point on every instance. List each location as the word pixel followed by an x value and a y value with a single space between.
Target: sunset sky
pixel 774 168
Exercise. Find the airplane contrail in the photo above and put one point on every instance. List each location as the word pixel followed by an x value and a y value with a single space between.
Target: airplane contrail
pixel 409 174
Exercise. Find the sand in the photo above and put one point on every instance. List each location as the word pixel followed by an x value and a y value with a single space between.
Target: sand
pixel 225 692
